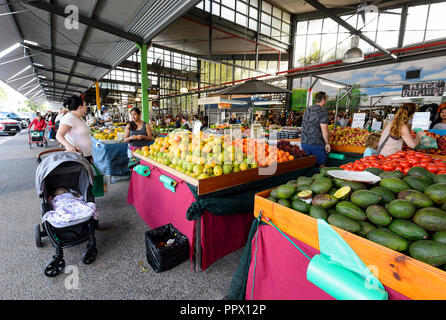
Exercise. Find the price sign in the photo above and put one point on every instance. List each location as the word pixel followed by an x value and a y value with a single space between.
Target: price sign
pixel 423 89
pixel 358 120
pixel 421 120
pixel 376 125
pixel 197 127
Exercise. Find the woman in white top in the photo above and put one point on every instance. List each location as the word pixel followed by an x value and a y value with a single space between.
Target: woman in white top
pixel 74 133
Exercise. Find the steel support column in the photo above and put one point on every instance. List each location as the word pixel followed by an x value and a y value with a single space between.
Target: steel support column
pixel 98 96
pixel 146 113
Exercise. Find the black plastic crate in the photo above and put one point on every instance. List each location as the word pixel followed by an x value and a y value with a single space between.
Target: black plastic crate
pixel 166 257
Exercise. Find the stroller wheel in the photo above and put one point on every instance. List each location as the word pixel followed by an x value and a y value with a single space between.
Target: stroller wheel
pixel 37 235
pixel 89 255
pixel 54 267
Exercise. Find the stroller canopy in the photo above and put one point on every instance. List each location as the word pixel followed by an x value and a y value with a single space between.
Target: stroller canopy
pixel 68 170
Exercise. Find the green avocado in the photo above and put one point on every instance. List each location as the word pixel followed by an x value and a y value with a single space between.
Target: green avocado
pixel 417 198
pixel 420 172
pixel 375 171
pixel 392 174
pixel 440 236
pixel 431 219
pixel 418 183
pixel 437 192
pixel 325 201
pixel 365 198
pixel 352 184
pixel 440 178
pixel 386 195
pixel 429 251
pixel 350 210
pixel 301 206
pixel 321 186
pixel 408 230
pixel 401 209
pixel 366 228
pixel 285 191
pixel 378 215
pixel 273 194
pixel 318 212
pixel 388 239
pixel 343 222
pixel 284 202
pixel 394 184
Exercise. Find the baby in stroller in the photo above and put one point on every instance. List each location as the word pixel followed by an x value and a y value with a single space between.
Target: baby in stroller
pixel 68 207
pixel 69 217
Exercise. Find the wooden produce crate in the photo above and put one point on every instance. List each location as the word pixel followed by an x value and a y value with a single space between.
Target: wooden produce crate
pixel 225 181
pixel 408 276
pixel 349 149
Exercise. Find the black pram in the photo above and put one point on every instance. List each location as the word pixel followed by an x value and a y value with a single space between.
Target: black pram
pixel 71 171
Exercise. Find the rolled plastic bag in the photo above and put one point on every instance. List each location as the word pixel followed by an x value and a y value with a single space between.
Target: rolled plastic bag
pixel 142 170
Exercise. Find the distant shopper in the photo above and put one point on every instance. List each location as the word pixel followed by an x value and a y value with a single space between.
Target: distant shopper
pixel 371 143
pixel 137 133
pixel 441 122
pixel 39 123
pixel 52 127
pixel 397 132
pixel 233 119
pixel 315 130
pixel 74 133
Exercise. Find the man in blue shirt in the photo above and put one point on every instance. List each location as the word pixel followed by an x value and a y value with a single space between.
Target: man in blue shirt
pixel 315 130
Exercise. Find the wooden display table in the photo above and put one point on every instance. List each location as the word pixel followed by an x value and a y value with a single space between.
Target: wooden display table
pixel 225 181
pixel 403 274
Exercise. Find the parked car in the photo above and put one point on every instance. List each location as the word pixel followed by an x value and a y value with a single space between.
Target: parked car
pixel 9 126
pixel 11 115
pixel 26 116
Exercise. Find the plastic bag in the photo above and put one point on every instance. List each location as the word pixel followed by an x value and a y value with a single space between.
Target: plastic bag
pixel 162 256
pixel 427 142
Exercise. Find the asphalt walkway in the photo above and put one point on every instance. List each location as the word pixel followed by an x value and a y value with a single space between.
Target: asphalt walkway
pixel 117 272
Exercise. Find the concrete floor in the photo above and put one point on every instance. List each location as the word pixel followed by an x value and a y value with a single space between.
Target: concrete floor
pixel 116 273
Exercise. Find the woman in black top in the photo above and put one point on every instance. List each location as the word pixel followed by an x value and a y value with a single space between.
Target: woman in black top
pixel 137 133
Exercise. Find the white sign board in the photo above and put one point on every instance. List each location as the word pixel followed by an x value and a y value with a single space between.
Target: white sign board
pixel 390 116
pixel 421 120
pixel 358 120
pixel 209 100
pixel 197 127
pixel 376 125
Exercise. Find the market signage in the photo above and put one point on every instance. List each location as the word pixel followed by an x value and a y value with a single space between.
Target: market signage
pixel 421 120
pixel 224 105
pixel 423 89
pixel 209 100
pixel 358 120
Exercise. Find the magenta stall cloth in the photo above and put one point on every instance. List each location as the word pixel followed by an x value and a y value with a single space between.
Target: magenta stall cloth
pixel 280 272
pixel 157 206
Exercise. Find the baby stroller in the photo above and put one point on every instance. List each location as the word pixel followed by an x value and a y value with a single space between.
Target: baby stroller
pixel 37 137
pixel 71 171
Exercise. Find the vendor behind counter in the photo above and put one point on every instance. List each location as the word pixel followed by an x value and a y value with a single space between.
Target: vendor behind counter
pixel 137 133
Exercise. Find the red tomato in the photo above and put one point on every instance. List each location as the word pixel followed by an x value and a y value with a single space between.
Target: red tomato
pixel 441 172
pixel 388 167
pixel 402 153
pixel 406 170
pixel 426 159
pixel 432 168
pixel 380 156
pixel 405 164
pixel 399 168
pixel 413 161
pixel 360 167
pixel 419 155
pixel 438 161
pixel 395 156
pixel 423 164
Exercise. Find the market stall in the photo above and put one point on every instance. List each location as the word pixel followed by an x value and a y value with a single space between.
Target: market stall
pixel 398 244
pixel 215 211
pixel 109 151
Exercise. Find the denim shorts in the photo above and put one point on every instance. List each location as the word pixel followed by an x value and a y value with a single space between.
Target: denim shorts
pixel 318 151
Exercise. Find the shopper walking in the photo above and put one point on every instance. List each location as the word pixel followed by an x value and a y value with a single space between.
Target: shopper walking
pixel 314 138
pixel 137 133
pixel 39 125
pixel 397 132
pixel 74 133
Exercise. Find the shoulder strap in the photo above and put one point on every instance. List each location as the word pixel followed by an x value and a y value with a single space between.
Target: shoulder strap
pixel 378 152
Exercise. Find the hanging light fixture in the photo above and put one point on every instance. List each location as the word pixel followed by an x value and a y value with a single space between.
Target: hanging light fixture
pixel 354 54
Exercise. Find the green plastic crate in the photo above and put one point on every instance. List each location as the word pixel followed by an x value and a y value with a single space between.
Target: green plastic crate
pixel 98 183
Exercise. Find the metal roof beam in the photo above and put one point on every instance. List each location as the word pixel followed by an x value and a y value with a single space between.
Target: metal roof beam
pixel 81 76
pixel 327 12
pixel 59 88
pixel 64 83
pixel 94 23
pixel 68 56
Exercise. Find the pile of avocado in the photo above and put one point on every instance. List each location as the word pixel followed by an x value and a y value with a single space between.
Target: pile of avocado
pixel 403 213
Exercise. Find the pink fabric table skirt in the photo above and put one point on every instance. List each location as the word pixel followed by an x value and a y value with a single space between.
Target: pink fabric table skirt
pixel 157 206
pixel 281 270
